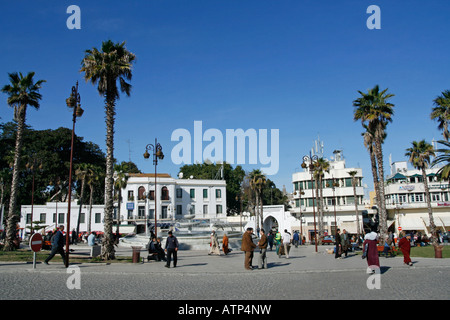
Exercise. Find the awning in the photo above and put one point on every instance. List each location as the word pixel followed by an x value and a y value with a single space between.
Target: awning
pixel 349 226
pixel 411 223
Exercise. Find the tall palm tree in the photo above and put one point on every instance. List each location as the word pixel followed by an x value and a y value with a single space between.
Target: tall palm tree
pixel 22 92
pixel 321 166
pixel 81 173
pixel 106 68
pixel 420 157
pixel 257 181
pixel 443 157
pixel 93 177
pixel 353 174
pixel 441 113
pixel 375 112
pixel 120 182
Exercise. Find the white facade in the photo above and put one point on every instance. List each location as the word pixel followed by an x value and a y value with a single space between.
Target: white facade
pixel 339 198
pixel 406 203
pixel 175 199
pixel 53 214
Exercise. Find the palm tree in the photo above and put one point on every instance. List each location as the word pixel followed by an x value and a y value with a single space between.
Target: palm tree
pixel 420 157
pixel 441 113
pixel 321 166
pixel 22 92
pixel 443 156
pixel 81 173
pixel 120 182
pixel 257 181
pixel 353 174
pixel 375 112
pixel 107 67
pixel 94 175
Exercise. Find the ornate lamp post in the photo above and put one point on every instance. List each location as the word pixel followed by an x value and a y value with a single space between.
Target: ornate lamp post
pixel 72 102
pixel 311 159
pixel 156 149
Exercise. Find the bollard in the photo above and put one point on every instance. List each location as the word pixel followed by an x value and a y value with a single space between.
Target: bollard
pixel 136 254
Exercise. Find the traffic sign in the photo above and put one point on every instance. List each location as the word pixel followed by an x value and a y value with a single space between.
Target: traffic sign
pixel 36 242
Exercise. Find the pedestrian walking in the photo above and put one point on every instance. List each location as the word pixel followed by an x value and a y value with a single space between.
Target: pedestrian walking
pixel 345 242
pixel 295 239
pixel 225 248
pixel 337 240
pixel 74 237
pixel 277 242
pixel 270 238
pixel 171 249
pixel 405 245
pixel 248 246
pixel 286 243
pixel 214 247
pixel 58 241
pixel 262 244
pixel 370 250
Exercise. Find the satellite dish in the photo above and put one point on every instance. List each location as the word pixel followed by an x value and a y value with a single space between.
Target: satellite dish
pixel 180 175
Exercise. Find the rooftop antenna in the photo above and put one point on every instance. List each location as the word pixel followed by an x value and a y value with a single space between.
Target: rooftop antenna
pixel 129 150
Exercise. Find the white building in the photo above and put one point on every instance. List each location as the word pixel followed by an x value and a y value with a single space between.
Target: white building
pixel 175 199
pixel 406 203
pixel 338 196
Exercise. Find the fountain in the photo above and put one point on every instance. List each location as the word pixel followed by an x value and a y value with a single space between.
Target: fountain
pixel 192 234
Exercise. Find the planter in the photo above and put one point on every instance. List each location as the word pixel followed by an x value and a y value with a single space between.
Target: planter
pixel 438 251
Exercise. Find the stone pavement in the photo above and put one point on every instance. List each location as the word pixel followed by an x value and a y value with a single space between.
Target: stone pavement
pixel 198 276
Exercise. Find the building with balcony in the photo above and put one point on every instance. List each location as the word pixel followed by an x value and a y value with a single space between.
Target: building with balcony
pixel 406 202
pixel 338 198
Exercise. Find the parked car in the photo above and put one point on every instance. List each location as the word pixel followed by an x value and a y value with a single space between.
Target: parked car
pixel 328 240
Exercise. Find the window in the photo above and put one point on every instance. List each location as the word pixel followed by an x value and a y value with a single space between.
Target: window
pixel 179 193
pixel 192 193
pixel 164 193
pixel 43 217
pixel 141 193
pixel 28 218
pixel 151 213
pixel 218 194
pixel 98 217
pixel 141 212
pixel 192 209
pixel 435 197
pixel 152 195
pixel 61 218
pixel 82 217
pixel 164 212
pixel 205 209
pixel 179 210
pixel 348 182
pixel 219 209
pixel 130 195
pixel 205 193
pixel 54 218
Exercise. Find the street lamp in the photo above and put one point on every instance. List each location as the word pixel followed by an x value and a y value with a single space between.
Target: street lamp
pixel 311 159
pixel 156 149
pixel 72 102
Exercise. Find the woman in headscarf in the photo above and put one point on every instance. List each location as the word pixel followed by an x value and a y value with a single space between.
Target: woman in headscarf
pixel 370 250
pixel 225 244
pixel 214 244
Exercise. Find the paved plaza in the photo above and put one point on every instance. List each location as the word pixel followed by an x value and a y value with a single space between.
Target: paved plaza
pixel 198 276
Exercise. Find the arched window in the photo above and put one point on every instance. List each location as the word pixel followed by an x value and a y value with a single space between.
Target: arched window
pixel 141 193
pixel 164 193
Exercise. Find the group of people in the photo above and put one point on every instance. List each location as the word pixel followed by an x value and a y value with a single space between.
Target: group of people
pixel 343 244
pixel 171 249
pixel 215 246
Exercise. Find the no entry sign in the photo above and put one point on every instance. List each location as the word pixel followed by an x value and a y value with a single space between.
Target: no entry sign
pixel 36 242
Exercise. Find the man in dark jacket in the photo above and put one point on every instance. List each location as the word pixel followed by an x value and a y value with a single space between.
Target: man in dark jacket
pixel 248 246
pixel 171 249
pixel 338 244
pixel 58 241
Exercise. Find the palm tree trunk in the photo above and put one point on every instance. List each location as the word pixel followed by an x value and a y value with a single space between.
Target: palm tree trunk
pixel 91 199
pixel 261 213
pixel 382 207
pixel 13 217
pixel 108 252
pixel 81 204
pixel 430 211
pixel 358 228
pixel 376 182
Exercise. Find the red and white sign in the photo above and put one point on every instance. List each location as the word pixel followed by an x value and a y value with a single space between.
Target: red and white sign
pixel 399 228
pixel 36 242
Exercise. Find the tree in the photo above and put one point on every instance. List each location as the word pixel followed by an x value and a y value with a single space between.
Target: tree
pixel 120 182
pixel 375 112
pixel 81 173
pixel 420 157
pixel 22 92
pixel 441 113
pixel 320 167
pixel 353 174
pixel 95 177
pixel 443 157
pixel 257 182
pixel 105 68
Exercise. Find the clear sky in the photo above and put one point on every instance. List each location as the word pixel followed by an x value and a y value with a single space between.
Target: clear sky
pixel 294 66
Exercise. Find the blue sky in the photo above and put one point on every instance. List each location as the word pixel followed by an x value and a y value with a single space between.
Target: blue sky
pixel 295 66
